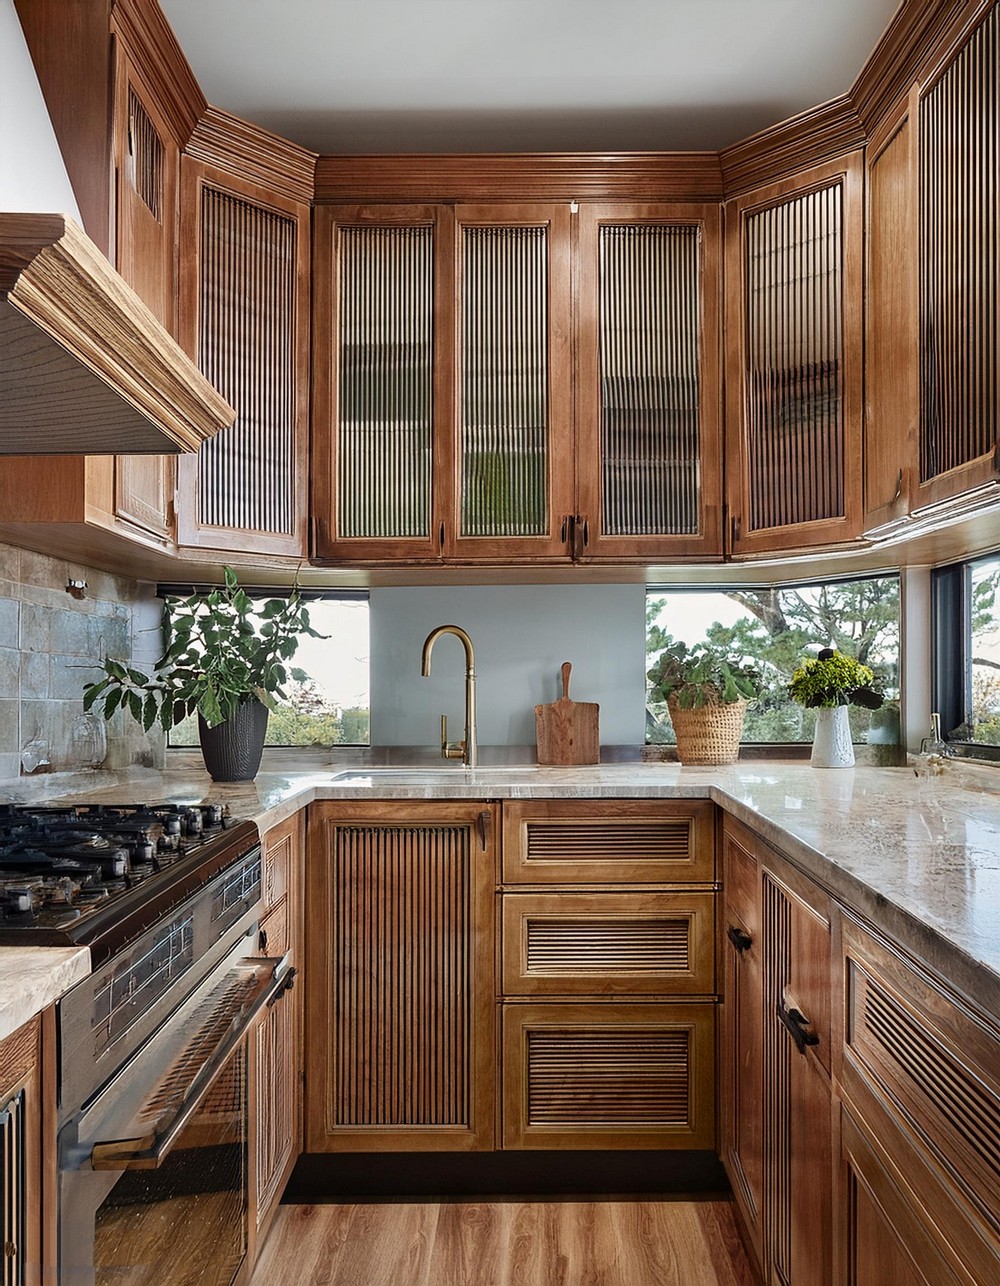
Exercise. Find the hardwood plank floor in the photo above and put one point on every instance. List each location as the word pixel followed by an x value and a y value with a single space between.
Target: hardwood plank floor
pixel 506 1243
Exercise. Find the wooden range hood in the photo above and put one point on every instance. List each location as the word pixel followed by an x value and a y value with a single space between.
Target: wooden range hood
pixel 85 367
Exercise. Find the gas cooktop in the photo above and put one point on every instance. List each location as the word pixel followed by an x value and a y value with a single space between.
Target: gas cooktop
pixel 68 873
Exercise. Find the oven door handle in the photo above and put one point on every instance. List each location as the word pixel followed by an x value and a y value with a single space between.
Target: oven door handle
pixel 266 983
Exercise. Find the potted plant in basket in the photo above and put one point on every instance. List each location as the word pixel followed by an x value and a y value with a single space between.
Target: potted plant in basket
pixel 225 659
pixel 707 696
pixel 829 684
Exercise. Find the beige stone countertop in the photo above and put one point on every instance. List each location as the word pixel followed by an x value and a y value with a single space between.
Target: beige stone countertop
pixel 917 856
pixel 32 978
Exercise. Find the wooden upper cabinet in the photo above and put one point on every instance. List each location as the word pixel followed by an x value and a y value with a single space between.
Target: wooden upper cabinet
pixel 794 368
pixel 442 402
pixel 958 122
pixel 891 321
pixel 649 391
pixel 146 153
pixel 244 316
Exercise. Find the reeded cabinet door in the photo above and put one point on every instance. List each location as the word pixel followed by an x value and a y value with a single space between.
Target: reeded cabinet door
pixel 797 1098
pixel 794 360
pixel 400 934
pixel 741 1084
pixel 442 383
pixel 244 316
pixel 649 392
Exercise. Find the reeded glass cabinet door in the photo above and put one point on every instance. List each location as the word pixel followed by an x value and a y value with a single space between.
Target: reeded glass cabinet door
pixel 794 350
pixel 513 459
pixel 381 395
pixel 649 387
pixel 442 417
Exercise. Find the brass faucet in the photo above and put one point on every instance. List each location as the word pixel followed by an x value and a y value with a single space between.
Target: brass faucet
pixel 467 750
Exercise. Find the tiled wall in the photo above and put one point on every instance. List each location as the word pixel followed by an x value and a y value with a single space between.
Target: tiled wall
pixel 51 644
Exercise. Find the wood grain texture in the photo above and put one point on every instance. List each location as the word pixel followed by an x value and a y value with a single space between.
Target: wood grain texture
pixel 515 1243
pixel 80 347
pixel 249 152
pixel 567 731
pixel 545 176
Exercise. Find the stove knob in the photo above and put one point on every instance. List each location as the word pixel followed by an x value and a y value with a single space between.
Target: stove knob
pixel 192 821
pixel 212 814
pixel 117 864
pixel 172 824
pixel 167 844
pixel 143 849
pixel 17 900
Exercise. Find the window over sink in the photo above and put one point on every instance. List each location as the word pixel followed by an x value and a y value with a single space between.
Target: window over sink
pixel 966 640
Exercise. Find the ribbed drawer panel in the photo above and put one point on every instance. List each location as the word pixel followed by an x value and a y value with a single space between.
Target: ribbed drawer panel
pixel 592 945
pixel 636 1076
pixel 654 841
pixel 956 1103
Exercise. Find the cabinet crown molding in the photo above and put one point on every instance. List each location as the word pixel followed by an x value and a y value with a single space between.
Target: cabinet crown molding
pixel 253 154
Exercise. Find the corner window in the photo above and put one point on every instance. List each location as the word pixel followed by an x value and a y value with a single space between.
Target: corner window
pixel 966 632
pixel 772 628
pixel 331 707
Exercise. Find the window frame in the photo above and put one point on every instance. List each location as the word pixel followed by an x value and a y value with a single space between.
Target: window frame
pixel 784 749
pixel 310 593
pixel 951 652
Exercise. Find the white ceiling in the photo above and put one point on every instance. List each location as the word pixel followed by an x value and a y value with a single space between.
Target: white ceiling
pixel 384 76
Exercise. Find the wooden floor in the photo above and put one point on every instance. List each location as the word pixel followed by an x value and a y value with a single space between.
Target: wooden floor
pixel 516 1243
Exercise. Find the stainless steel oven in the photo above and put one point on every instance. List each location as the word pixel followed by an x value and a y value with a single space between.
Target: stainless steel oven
pixel 152 1046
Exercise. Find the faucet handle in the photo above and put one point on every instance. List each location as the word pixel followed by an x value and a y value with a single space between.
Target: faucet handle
pixel 456 751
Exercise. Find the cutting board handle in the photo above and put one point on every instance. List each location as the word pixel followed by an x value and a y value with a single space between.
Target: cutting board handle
pixel 566 667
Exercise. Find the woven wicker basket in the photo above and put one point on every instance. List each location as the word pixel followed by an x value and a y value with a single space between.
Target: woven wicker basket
pixel 708 734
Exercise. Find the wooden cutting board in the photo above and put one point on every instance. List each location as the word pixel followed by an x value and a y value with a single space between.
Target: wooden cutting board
pixel 566 731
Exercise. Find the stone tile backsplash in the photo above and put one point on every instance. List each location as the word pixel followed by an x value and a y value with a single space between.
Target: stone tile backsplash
pixel 51 644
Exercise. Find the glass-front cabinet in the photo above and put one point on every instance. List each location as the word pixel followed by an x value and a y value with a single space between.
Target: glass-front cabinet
pixel 442 396
pixel 516 382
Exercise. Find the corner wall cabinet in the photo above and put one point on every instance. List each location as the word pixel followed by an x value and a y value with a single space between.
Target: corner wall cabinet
pixel 794 371
pixel 608 974
pixel 402 1048
pixel 933 330
pixel 244 317
pixel 444 346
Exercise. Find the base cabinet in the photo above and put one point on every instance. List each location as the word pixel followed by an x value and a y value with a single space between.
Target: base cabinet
pixel 24 1142
pixel 401 1022
pixel 608 974
pixel 919 1184
pixel 276 1041
pixel 777 1141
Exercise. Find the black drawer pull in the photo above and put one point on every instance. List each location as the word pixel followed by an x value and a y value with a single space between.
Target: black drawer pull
pixel 741 940
pixel 797 1026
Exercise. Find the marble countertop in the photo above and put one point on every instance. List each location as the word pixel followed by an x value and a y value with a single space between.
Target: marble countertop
pixel 918 856
pixel 32 978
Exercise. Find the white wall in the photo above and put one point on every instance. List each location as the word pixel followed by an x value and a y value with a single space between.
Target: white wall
pixel 33 177
pixel 521 634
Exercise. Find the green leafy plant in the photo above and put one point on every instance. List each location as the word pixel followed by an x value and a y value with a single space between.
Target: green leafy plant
pixel 833 679
pixel 221 649
pixel 698 676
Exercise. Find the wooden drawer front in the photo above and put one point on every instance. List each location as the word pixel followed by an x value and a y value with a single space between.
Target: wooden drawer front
pixel 929 1061
pixel 275 926
pixel 609 1076
pixel 608 943
pixel 624 841
pixel 277 867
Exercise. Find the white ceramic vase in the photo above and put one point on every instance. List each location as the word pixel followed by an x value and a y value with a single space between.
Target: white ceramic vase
pixel 832 747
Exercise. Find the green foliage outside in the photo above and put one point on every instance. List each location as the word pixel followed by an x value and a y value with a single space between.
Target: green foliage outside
pixel 985 694
pixel 306 718
pixel 780 629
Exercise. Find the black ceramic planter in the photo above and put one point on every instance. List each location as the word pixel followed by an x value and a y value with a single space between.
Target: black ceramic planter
pixel 232 749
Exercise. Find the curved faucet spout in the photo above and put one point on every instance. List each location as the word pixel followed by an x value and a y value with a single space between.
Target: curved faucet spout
pixel 468 749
